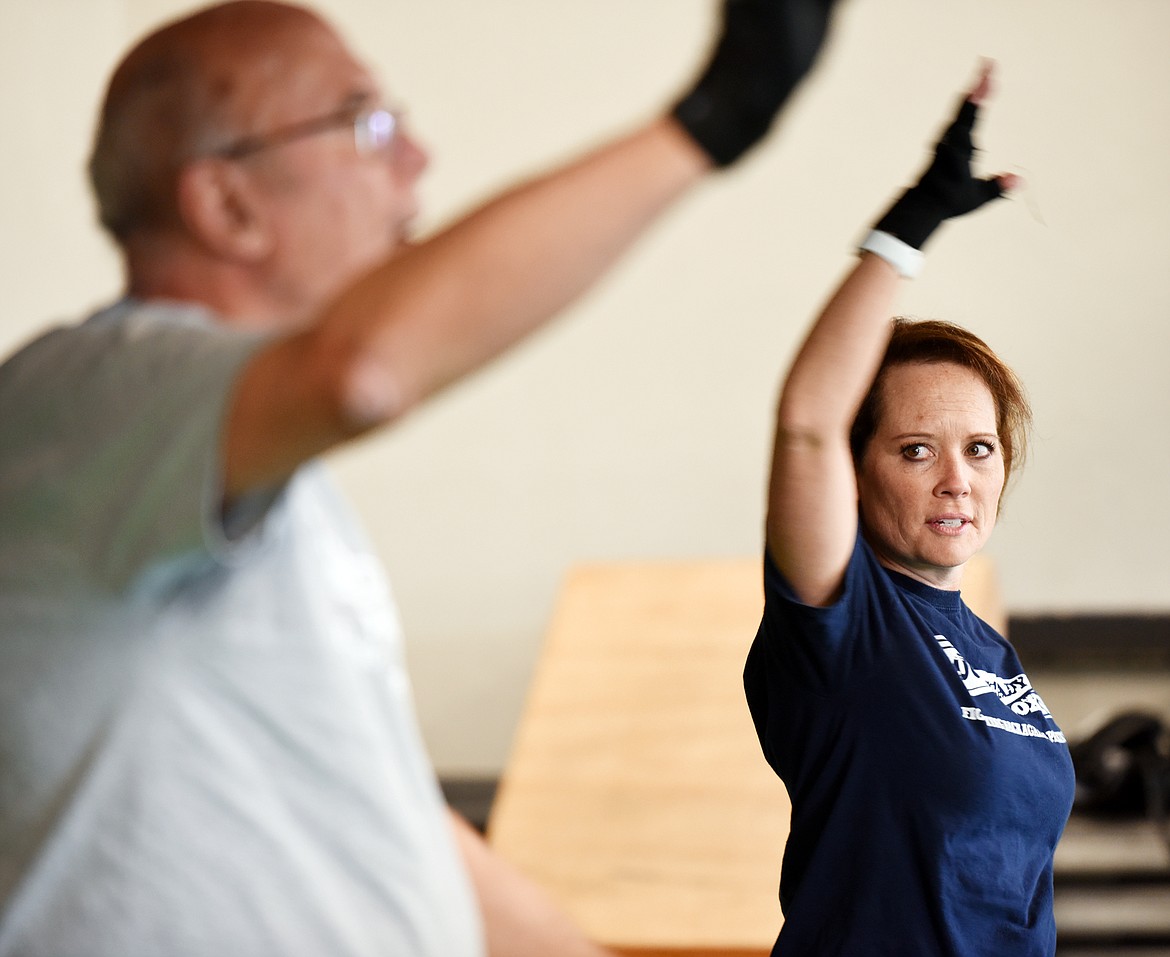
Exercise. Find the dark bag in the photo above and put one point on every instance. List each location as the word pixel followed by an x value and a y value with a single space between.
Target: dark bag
pixel 1123 768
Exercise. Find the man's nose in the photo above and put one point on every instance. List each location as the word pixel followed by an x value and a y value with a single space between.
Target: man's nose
pixel 408 155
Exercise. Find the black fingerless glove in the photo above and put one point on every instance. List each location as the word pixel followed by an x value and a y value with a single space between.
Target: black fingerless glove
pixel 946 189
pixel 766 47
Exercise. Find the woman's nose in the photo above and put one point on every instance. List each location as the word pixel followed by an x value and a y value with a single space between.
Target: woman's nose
pixel 954 478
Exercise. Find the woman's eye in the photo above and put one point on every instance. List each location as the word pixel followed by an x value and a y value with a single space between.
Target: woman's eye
pixel 914 451
pixel 980 450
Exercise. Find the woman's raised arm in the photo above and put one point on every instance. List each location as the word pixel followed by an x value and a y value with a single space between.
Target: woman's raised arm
pixel 812 498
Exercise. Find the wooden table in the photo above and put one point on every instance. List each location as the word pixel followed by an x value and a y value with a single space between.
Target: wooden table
pixel 636 793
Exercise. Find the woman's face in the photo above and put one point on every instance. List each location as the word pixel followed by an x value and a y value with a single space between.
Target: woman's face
pixel 930 479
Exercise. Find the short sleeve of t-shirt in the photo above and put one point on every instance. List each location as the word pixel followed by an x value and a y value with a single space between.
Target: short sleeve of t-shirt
pixel 821 647
pixel 110 439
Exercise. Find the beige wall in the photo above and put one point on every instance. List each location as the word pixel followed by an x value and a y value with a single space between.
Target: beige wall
pixel 639 426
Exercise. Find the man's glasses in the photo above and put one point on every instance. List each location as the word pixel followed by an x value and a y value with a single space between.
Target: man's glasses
pixel 374 131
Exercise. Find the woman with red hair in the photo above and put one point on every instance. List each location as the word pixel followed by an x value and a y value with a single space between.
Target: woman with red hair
pixel 929 782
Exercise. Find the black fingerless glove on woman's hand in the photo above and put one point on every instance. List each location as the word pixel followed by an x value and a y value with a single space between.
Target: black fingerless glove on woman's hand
pixel 946 189
pixel 765 49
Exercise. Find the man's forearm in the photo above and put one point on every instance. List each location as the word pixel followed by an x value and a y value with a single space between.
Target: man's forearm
pixel 447 306
pixel 520 919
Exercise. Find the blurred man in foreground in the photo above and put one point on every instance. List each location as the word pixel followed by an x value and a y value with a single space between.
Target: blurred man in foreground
pixel 207 743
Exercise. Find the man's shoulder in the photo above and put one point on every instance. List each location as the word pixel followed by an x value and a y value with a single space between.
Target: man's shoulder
pixel 115 339
pixel 99 330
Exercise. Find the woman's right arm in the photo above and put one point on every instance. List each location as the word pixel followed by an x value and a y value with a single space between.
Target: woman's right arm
pixel 812 496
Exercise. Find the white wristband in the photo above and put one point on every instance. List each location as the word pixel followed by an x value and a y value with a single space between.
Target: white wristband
pixel 905 259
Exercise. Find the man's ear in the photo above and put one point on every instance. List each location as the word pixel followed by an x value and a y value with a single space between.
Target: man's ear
pixel 221 208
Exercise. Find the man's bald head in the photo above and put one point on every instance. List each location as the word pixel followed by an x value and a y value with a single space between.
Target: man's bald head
pixel 184 91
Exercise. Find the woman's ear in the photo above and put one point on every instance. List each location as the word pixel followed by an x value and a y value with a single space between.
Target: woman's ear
pixel 222 209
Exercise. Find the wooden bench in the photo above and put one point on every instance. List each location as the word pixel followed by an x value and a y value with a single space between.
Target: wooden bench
pixel 636 793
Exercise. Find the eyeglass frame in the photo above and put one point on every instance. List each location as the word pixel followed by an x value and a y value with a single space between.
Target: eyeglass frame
pixel 374 130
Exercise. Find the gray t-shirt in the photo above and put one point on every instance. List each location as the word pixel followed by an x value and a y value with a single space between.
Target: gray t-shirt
pixel 207 739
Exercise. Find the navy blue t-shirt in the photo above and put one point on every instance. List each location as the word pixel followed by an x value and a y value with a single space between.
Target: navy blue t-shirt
pixel 929 783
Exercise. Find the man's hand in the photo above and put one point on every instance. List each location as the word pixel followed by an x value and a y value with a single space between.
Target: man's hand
pixel 766 48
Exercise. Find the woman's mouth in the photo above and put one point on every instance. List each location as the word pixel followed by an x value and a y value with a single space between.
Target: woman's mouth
pixel 950 524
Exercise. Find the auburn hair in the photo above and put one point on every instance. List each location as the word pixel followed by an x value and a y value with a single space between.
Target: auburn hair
pixel 934 340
